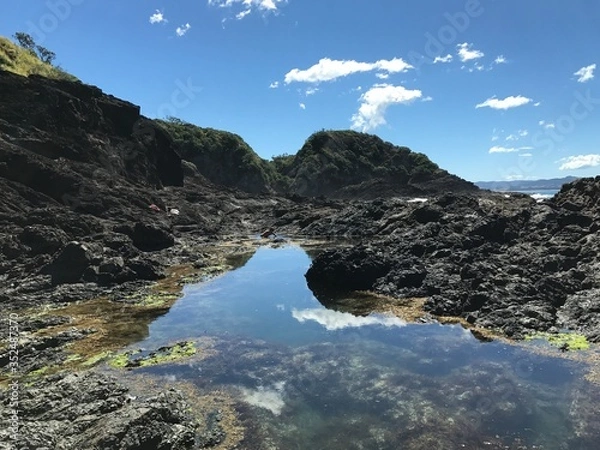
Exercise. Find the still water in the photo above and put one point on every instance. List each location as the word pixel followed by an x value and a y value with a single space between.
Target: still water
pixel 315 378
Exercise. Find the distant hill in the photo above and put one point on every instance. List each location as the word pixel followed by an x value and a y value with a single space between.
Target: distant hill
pixel 350 164
pixel 525 185
pixel 16 59
pixel 222 157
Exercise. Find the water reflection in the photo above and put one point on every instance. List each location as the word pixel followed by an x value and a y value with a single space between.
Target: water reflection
pixel 335 320
pixel 312 377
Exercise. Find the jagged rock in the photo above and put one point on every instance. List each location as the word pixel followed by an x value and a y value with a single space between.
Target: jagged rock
pixel 151 237
pixel 104 417
pixel 69 265
pixel 43 238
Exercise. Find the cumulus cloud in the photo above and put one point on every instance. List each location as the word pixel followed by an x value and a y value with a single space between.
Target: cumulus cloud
pixel 443 59
pixel 580 162
pixel 274 85
pixel 585 73
pixel 183 29
pixel 246 7
pixel 335 320
pixel 500 60
pixel 302 106
pixel 311 91
pixel 330 69
pixel 466 52
pixel 506 103
pixel 375 102
pixel 157 17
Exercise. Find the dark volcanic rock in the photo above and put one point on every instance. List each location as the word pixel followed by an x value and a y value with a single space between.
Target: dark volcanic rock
pixel 43 239
pixel 104 417
pixel 150 237
pixel 356 270
pixel 504 263
pixel 68 266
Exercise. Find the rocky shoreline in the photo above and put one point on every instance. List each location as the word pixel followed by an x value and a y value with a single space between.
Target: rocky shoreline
pixel 98 206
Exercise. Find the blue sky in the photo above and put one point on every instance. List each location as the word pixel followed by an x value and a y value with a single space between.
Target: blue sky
pixel 488 89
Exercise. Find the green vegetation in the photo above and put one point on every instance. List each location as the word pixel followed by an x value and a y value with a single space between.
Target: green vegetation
pixel 29 59
pixel 328 163
pixel 161 356
pixel 332 160
pixel 564 341
pixel 222 157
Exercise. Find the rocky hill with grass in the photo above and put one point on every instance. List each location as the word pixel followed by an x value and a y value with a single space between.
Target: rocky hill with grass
pixel 223 158
pixel 349 164
pixel 16 59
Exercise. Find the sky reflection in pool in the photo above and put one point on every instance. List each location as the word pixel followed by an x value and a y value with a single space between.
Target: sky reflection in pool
pixel 318 378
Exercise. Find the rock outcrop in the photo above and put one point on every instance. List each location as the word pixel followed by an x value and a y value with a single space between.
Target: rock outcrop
pixel 349 164
pixel 509 264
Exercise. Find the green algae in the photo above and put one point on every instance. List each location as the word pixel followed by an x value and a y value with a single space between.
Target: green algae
pixel 163 355
pixel 564 341
pixel 95 359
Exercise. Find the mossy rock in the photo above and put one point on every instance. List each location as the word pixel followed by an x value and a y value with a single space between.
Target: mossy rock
pixel 564 341
pixel 163 355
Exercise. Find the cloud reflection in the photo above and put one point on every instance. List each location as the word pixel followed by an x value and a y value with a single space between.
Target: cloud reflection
pixel 335 320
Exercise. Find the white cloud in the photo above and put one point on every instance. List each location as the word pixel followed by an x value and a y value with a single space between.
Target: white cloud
pixel 311 91
pixel 547 125
pixel 500 59
pixel 467 53
pixel 523 133
pixel 443 59
pixel 526 155
pixel 382 76
pixel 274 85
pixel 158 17
pixel 515 177
pixel 512 137
pixel 335 320
pixel 508 102
pixel 242 14
pixel 585 73
pixel 246 7
pixel 537 103
pixel 302 106
pixel 183 29
pixel 500 149
pixel 330 69
pixel 375 102
pixel 580 162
